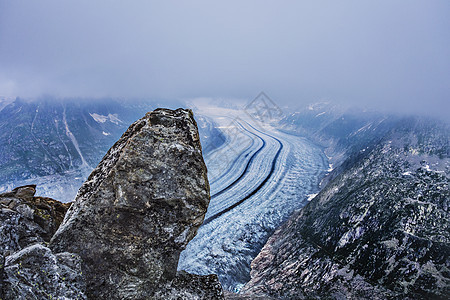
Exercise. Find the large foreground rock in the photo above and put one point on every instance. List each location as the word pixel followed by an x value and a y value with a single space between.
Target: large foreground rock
pixel 138 210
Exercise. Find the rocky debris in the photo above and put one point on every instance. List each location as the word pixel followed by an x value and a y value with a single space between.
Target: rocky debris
pixel 138 210
pixel 123 236
pixel 26 219
pixel 192 287
pixel 36 273
pixel 28 269
pixel 378 230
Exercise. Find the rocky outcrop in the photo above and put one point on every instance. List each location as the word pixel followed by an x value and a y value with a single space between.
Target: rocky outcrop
pixel 233 296
pixel 2 265
pixel 28 269
pixel 26 219
pixel 36 273
pixel 138 210
pixel 378 230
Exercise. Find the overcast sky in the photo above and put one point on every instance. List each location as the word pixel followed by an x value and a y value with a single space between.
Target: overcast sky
pixel 387 54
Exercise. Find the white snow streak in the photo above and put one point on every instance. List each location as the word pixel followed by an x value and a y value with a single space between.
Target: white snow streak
pixel 311 196
pixel 320 114
pixel 74 141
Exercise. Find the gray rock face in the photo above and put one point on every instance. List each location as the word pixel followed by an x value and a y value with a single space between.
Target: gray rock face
pixel 36 273
pixel 139 208
pixel 26 220
pixel 28 269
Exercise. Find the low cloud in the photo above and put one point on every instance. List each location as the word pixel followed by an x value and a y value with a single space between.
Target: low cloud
pixel 389 55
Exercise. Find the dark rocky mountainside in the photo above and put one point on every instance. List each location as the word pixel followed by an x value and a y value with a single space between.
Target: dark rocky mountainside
pixel 122 237
pixel 378 230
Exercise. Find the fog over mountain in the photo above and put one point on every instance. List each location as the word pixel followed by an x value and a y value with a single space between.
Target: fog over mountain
pixel 382 54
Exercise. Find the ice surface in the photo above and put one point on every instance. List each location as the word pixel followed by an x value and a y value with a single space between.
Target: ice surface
pixel 234 232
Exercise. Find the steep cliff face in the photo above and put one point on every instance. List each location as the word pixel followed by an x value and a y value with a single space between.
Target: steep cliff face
pixel 139 208
pixel 378 230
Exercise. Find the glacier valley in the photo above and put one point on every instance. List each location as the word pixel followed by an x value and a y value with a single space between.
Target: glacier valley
pixel 258 177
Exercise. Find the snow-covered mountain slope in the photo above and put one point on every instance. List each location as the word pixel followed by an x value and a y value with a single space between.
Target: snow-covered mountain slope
pixel 258 177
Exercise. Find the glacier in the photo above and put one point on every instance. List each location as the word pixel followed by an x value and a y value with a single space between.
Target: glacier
pixel 258 177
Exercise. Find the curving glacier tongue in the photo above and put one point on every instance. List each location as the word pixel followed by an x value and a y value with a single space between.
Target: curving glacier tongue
pixel 258 177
